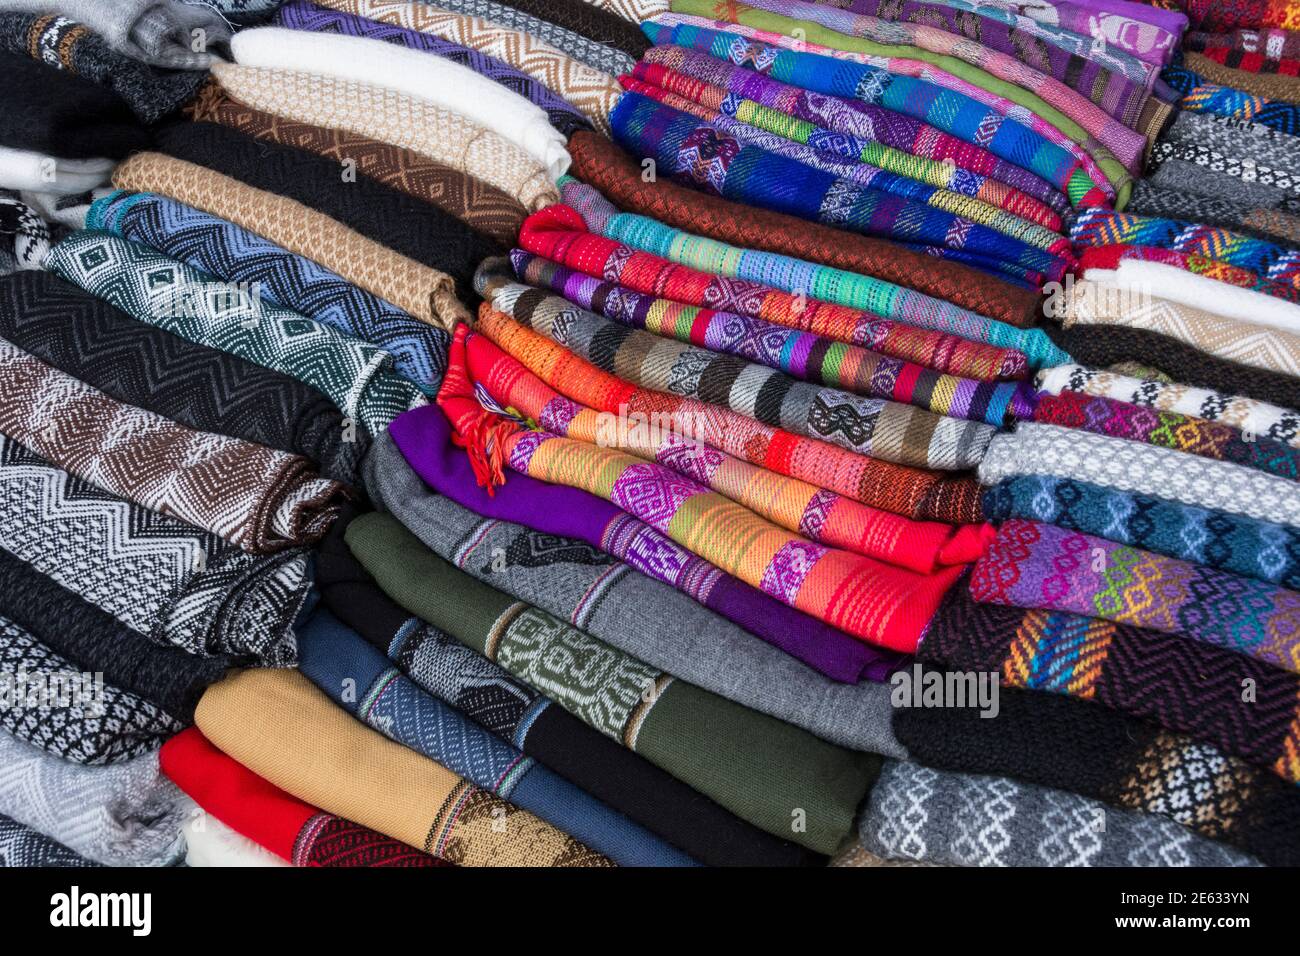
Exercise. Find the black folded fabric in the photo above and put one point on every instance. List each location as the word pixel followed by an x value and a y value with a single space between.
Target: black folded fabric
pixel 1098 346
pixel 22 846
pixel 61 114
pixel 589 21
pixel 198 386
pixel 610 773
pixel 92 638
pixel 1086 748
pixel 418 230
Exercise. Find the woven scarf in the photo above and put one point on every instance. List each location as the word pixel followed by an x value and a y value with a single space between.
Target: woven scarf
pixel 259 499
pixel 1038 449
pixel 483 692
pixel 1274 85
pixel 424 293
pixel 425 439
pixel 25 234
pixel 593 91
pixel 926 815
pixel 586 20
pixel 1241 61
pixel 1272 172
pixel 21 846
pixel 560 113
pixel 1233 543
pixel 1199 96
pixel 279 822
pixel 761 769
pixel 1272 44
pixel 1232 14
pixel 1116 665
pixel 633 10
pixel 336 658
pixel 1271 225
pixel 59 42
pixel 880 603
pixel 24 169
pixel 171 582
pixel 124 814
pixel 51 704
pixel 283 729
pixel 599 162
pixel 1205 268
pixel 226 251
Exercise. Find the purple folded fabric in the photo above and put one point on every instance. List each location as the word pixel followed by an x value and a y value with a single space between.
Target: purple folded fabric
pixel 1175 21
pixel 423 435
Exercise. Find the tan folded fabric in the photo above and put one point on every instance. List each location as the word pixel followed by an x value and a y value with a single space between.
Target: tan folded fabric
pixel 1271 86
pixel 280 726
pixel 426 293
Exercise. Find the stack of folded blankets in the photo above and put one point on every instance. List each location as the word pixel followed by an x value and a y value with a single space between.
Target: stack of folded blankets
pixel 633 433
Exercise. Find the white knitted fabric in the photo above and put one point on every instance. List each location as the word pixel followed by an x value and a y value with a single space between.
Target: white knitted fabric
pixel 24 169
pixel 209 842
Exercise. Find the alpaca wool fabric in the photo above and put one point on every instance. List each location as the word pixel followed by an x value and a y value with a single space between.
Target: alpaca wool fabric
pixel 1233 543
pixel 387 115
pixel 418 290
pixel 603 165
pixel 1260 222
pixel 25 232
pixel 23 846
pixel 1200 96
pixel 411 72
pixel 588 21
pixel 1241 61
pixel 226 251
pixel 358 377
pixel 24 169
pixel 1107 259
pixel 1273 86
pixel 259 499
pixel 1115 665
pixel 339 764
pixel 1272 44
pixel 1038 449
pixel 209 842
pixel 203 388
pixel 151 94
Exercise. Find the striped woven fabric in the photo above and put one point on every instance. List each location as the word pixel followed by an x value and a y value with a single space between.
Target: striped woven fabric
pixel 875 427
pixel 1251 62
pixel 1196 436
pixel 161 291
pixel 560 233
pixel 1272 44
pixel 877 602
pixel 1109 257
pixel 1198 96
pixel 228 252
pixel 902 489
pixel 1034 565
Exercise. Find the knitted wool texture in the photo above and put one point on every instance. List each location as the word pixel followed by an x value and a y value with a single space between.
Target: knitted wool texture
pixel 26 234
pixel 424 293
pixel 759 768
pixel 588 21
pixel 1271 225
pixel 1201 96
pixel 1240 60
pixel 282 728
pixel 25 847
pixel 1273 86
pixel 259 499
pixel 156 289
pixel 1271 43
pixel 24 169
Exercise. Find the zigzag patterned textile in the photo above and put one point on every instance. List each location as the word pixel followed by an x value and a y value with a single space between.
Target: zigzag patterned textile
pixel 226 251
pixel 173 583
pixel 21 846
pixel 1033 565
pixel 1232 543
pixel 259 499
pixel 203 388
pixel 1198 96
pixel 880 603
pixel 164 292
pixel 1143 673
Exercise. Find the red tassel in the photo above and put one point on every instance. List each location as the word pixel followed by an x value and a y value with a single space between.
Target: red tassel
pixel 484 440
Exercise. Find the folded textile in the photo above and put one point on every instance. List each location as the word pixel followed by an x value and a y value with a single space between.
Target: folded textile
pixel 1095 752
pixel 72 714
pixel 587 20
pixel 353 55
pixel 357 376
pixel 226 251
pixel 24 169
pixel 1196 436
pixel 1272 43
pixel 918 813
pixel 1095 260
pixel 1034 565
pixel 257 498
pixel 480 205
pixel 22 846
pixel 633 10
pixel 67 45
pixel 1227 147
pixel 281 823
pixel 282 728
pixel 1233 543
pixel 600 163
pixel 1274 86
pixel 1038 449
pixel 425 439
pixel 1184 686
pixel 593 91
pixel 335 658
pixel 210 843
pixel 482 691
pixel 124 814
pixel 398 280
pixel 763 770
pixel 391 117
pixel 61 114
pixel 440 246
pixel 559 112
pixel 1220 15
pixel 26 235
pixel 1202 96
pixel 159 32
pixel 1205 174
pixel 206 389
pixel 173 583
pixel 1221 49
